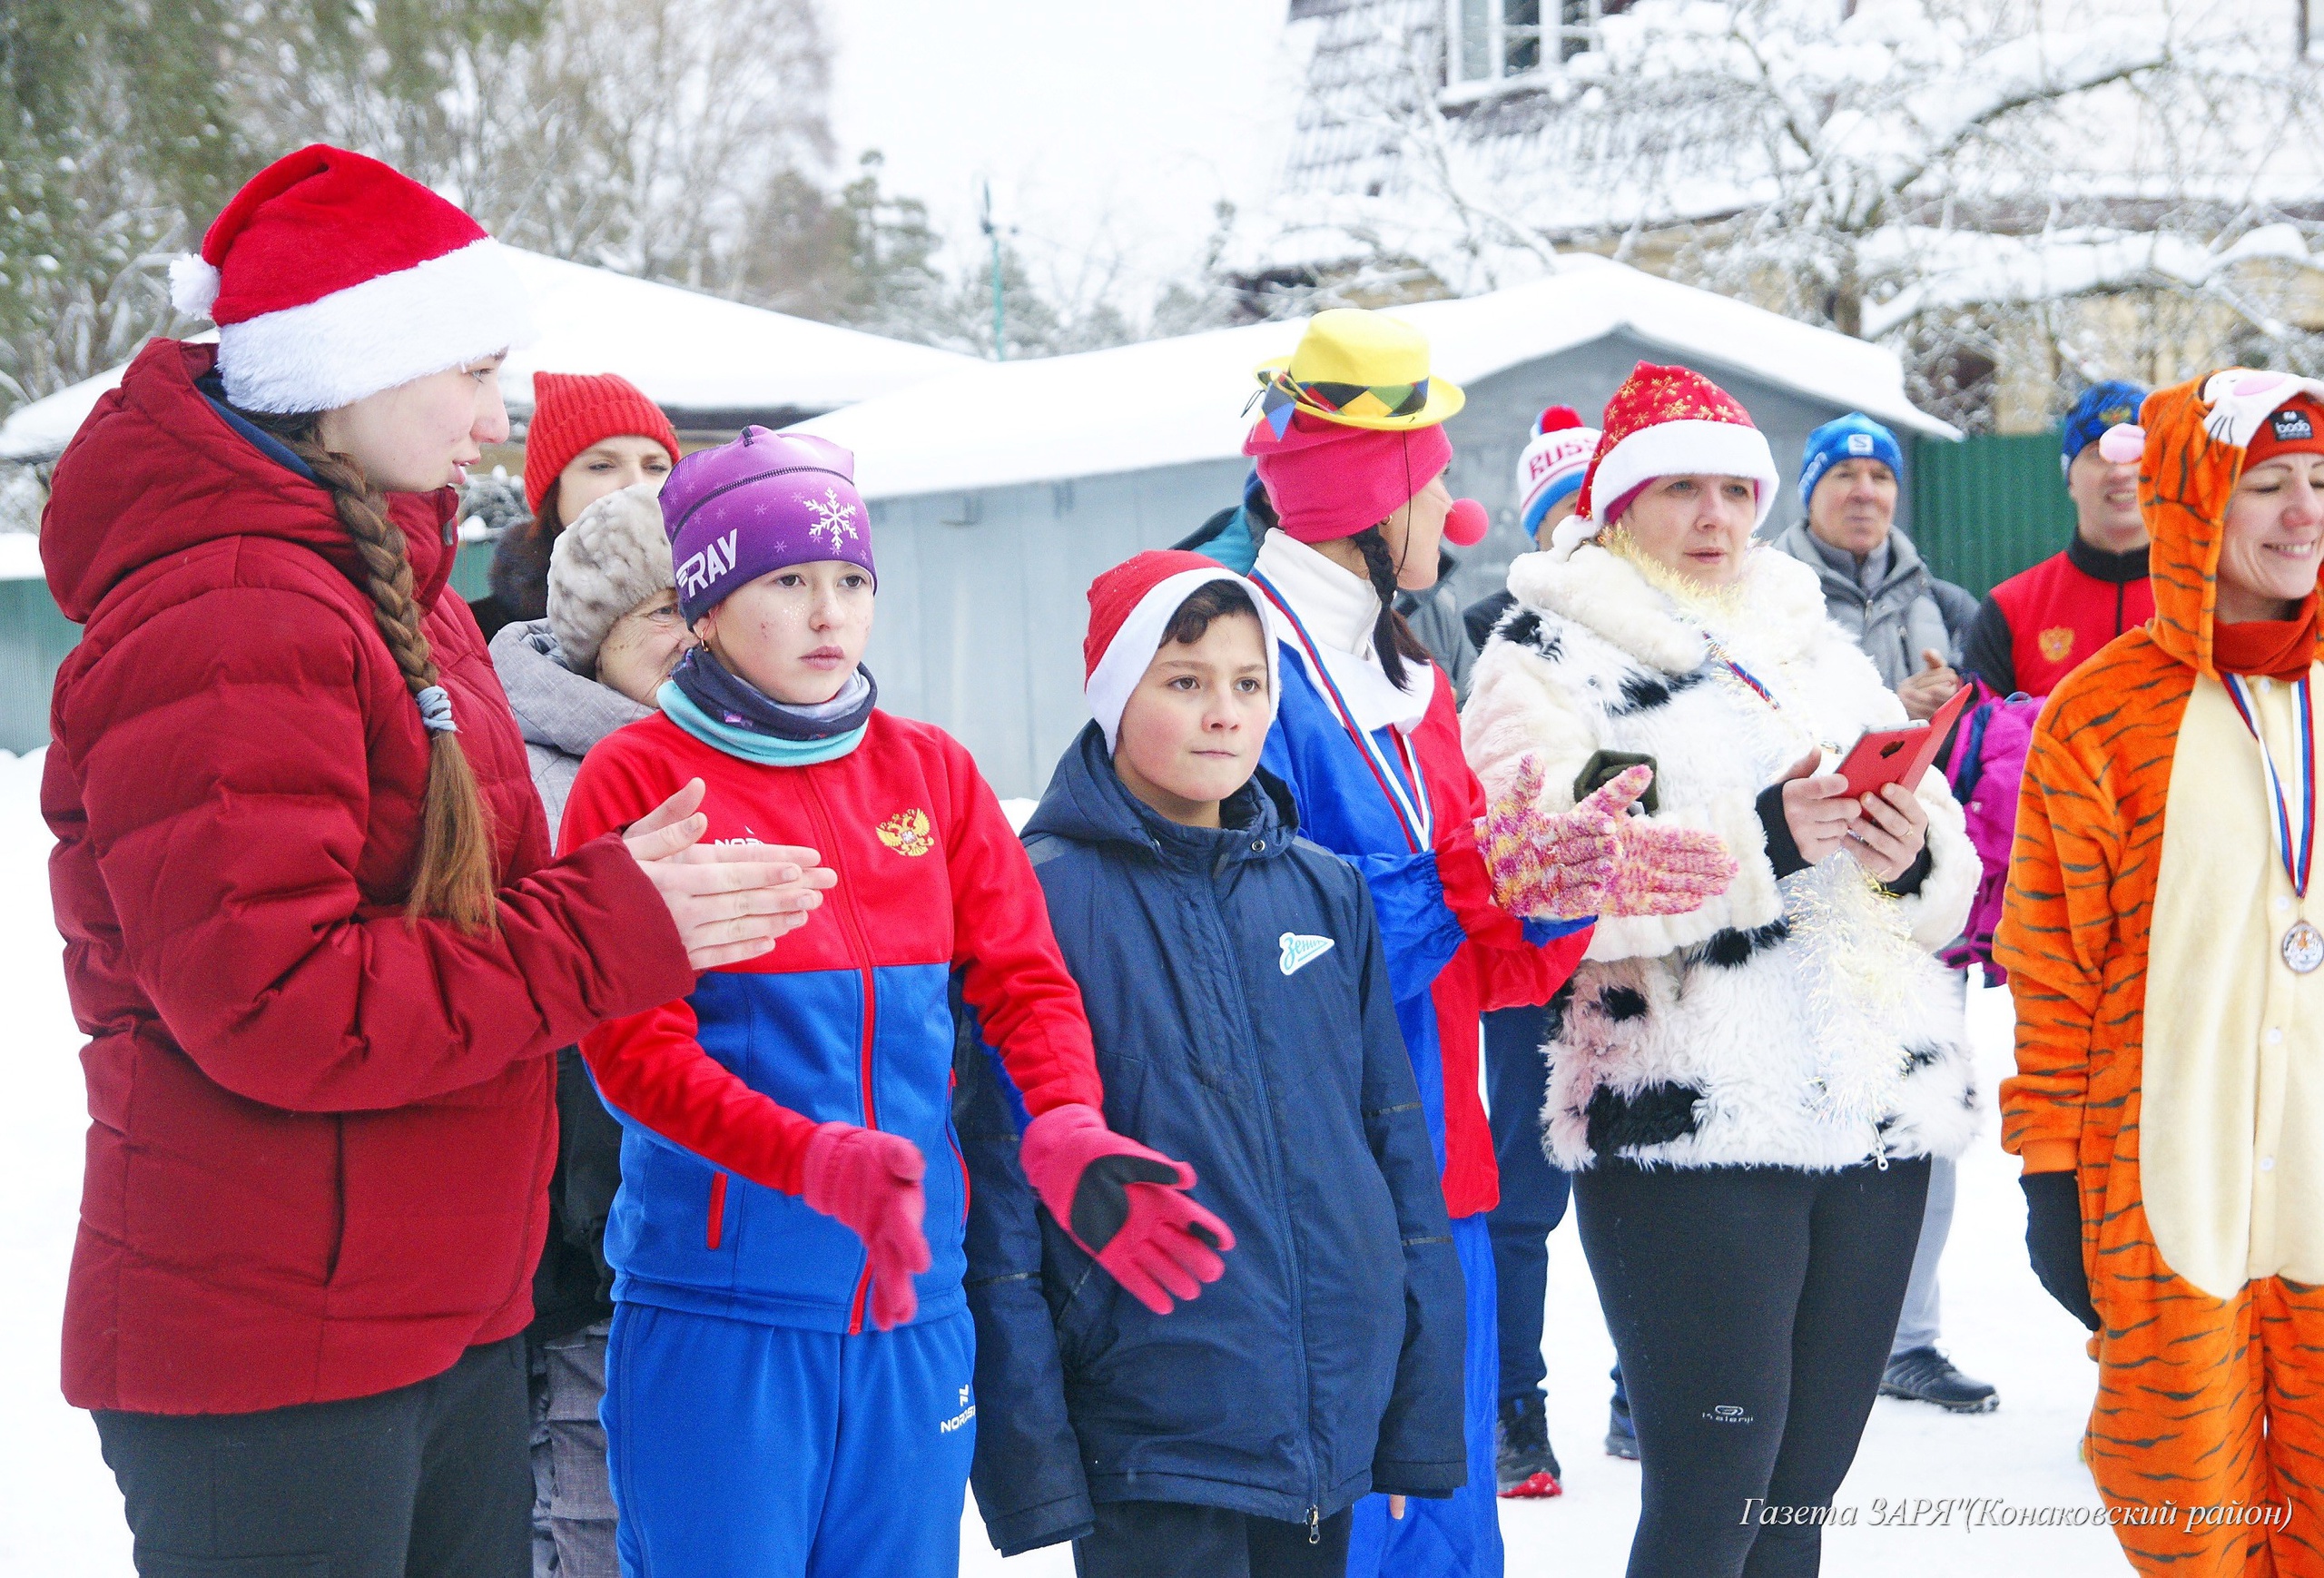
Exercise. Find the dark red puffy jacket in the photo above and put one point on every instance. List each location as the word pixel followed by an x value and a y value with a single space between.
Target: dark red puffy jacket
pixel 320 1135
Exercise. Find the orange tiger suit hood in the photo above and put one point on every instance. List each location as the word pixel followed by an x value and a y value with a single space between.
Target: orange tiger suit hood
pixel 2201 1389
pixel 2184 481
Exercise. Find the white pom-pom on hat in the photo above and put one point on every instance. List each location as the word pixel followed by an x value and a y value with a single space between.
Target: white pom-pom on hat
pixel 349 278
pixel 193 285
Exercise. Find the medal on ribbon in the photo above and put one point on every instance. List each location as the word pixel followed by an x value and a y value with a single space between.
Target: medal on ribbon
pixel 2303 945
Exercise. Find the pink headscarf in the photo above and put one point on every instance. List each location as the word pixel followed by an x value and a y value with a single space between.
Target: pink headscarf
pixel 1328 480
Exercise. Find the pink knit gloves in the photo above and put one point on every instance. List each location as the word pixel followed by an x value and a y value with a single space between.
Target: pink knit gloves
pixel 1595 859
pixel 1125 1205
pixel 870 1181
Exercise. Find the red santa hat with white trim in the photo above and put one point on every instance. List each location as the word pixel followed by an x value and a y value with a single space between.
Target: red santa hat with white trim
pixel 1130 609
pixel 331 276
pixel 1666 422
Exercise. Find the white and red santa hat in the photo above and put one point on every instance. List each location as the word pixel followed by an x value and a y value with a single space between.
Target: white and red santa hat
pixel 1667 421
pixel 331 276
pixel 1556 458
pixel 1130 609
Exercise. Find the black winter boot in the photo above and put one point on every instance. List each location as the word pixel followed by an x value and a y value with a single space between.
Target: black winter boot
pixel 1925 1376
pixel 1526 1467
pixel 1621 1435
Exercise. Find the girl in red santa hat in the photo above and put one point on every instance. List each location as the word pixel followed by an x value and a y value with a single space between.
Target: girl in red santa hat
pixel 312 925
pixel 1351 451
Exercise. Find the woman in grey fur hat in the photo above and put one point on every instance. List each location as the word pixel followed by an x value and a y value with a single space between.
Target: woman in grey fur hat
pixel 612 636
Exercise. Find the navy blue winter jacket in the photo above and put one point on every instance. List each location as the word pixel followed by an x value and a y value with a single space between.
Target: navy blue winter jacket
pixel 1238 996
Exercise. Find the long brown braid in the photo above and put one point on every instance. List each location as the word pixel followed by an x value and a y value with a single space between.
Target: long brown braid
pixel 454 878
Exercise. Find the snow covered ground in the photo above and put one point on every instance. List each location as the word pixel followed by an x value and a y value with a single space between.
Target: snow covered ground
pixel 60 1515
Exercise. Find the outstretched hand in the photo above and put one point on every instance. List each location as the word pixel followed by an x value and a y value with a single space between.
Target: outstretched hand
pixel 729 901
pixel 1596 858
pixel 1554 865
pixel 1130 1207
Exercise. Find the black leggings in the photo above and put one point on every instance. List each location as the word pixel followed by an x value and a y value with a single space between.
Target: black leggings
pixel 1753 1309
pixel 427 1481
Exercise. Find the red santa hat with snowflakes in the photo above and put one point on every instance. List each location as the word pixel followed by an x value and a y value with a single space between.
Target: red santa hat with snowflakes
pixel 1666 422
pixel 1130 609
pixel 331 276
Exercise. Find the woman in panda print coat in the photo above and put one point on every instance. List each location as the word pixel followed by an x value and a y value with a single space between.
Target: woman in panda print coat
pixel 1748 1093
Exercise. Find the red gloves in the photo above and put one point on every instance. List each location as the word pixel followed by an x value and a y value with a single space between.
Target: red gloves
pixel 1125 1205
pixel 870 1181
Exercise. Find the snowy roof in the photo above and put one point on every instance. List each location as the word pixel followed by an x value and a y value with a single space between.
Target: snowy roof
pixel 1168 402
pixel 689 352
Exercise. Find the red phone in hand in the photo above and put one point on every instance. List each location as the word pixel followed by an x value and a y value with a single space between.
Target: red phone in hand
pixel 1900 755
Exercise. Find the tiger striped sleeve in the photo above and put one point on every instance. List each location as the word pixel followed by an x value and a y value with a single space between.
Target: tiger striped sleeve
pixel 2057 925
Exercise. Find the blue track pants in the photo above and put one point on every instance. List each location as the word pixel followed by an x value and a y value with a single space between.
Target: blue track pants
pixel 746 1451
pixel 1459 1538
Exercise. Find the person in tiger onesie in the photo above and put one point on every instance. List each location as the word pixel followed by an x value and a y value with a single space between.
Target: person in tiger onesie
pixel 2169 1103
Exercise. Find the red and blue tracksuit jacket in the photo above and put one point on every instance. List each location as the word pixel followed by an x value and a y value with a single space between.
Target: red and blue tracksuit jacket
pixel 1402 808
pixel 847 1018
pixel 1452 954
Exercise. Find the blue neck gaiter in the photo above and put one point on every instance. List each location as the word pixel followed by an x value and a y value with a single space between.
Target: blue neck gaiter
pixel 722 709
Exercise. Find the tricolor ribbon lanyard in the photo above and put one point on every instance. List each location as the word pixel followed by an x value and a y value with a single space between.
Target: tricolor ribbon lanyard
pixel 1751 683
pixel 1414 813
pixel 2303 945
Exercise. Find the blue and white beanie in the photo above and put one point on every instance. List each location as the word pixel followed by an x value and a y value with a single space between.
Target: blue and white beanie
pixel 1556 459
pixel 1855 437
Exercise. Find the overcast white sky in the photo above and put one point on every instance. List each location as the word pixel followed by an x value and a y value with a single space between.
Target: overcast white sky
pixel 1104 125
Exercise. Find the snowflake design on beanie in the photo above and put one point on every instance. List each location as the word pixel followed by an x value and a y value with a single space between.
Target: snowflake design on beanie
pixel 835 516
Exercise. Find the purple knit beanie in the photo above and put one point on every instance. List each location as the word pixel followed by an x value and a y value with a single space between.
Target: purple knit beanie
pixel 765 501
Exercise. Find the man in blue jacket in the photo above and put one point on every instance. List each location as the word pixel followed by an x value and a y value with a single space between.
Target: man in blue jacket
pixel 1239 997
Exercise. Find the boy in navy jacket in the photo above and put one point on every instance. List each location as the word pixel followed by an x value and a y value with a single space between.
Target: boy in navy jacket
pixel 789 1381
pixel 1238 998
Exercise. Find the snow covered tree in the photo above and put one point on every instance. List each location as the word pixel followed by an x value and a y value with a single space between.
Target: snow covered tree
pixel 1948 175
pixel 111 130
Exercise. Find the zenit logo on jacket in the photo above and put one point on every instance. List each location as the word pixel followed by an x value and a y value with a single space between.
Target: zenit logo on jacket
pixel 1240 996
pixel 847 1018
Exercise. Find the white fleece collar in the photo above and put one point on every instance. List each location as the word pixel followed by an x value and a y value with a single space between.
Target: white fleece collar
pixel 1339 608
pixel 1337 605
pixel 1781 607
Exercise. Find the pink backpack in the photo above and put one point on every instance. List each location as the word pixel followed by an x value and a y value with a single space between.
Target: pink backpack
pixel 1986 763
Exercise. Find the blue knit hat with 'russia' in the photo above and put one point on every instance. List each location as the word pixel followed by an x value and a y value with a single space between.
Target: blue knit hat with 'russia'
pixel 1855 437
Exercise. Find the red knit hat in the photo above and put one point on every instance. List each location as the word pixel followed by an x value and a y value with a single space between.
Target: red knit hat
pixel 1130 609
pixel 332 277
pixel 2293 428
pixel 1667 421
pixel 572 410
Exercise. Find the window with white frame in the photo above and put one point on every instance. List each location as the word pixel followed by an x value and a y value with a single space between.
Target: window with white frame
pixel 1490 42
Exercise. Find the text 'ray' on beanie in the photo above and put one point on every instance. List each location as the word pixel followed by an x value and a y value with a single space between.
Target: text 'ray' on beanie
pixel 573 410
pixel 1667 421
pixel 1556 458
pixel 761 503
pixel 1130 609
pixel 331 276
pixel 614 556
